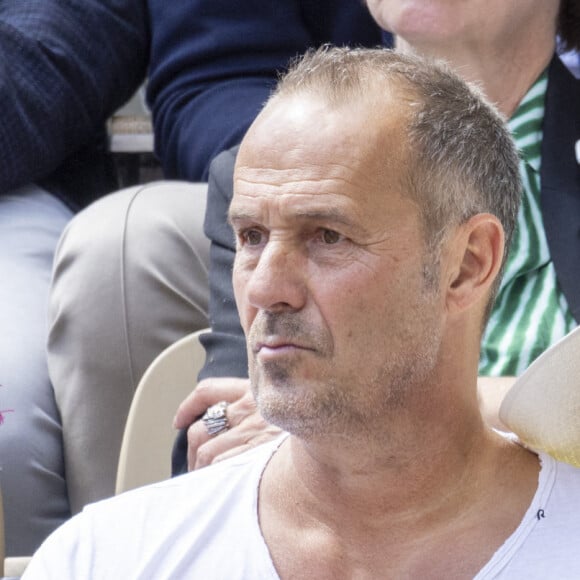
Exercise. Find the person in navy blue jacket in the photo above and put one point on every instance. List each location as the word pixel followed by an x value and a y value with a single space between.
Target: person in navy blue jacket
pixel 213 65
pixel 65 67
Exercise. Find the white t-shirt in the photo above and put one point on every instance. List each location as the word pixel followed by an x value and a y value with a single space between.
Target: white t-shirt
pixel 204 525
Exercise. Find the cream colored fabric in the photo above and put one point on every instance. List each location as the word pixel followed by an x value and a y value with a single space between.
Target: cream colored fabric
pixel 543 406
pixel 130 279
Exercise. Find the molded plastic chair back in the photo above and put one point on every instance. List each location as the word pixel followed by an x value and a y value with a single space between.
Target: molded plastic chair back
pixel 148 438
pixel 14 567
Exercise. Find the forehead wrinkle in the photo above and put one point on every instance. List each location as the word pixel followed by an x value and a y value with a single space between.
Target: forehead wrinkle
pixel 325 178
pixel 353 175
pixel 302 172
pixel 360 215
pixel 293 190
pixel 320 192
pixel 302 206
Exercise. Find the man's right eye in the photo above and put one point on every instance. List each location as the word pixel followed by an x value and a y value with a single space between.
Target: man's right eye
pixel 252 237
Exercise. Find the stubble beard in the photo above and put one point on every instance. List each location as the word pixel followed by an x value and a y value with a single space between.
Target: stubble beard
pixel 330 406
pixel 345 406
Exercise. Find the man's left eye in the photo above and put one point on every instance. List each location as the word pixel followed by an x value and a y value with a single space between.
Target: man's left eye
pixel 330 237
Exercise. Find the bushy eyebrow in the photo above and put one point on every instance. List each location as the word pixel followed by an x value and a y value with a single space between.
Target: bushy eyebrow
pixel 239 215
pixel 328 215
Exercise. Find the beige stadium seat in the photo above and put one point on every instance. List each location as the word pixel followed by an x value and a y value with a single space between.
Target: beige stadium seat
pixel 148 438
pixel 15 567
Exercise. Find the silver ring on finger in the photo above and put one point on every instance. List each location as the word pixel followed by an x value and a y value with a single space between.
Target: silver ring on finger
pixel 215 419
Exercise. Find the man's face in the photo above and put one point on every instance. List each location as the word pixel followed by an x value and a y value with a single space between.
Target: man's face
pixel 328 275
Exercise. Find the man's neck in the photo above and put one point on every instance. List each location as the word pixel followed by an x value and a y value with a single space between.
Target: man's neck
pixel 497 70
pixel 413 467
pixel 390 498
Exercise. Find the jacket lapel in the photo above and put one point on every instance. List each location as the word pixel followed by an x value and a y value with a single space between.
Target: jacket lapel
pixel 560 179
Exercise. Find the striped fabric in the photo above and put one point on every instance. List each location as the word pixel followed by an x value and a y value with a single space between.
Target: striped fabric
pixel 531 312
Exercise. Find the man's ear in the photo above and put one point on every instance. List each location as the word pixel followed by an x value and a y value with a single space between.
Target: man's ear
pixel 476 254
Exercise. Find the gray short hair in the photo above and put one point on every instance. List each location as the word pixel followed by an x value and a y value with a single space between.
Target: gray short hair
pixel 462 158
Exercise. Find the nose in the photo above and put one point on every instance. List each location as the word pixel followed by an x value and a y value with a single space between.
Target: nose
pixel 278 281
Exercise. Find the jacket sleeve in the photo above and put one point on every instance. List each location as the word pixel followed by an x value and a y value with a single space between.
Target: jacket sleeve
pixel 225 346
pixel 214 63
pixel 65 67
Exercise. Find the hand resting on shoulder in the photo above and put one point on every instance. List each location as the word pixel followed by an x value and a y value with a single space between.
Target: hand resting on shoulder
pixel 247 428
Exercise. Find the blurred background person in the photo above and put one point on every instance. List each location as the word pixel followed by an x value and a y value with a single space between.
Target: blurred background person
pixel 66 67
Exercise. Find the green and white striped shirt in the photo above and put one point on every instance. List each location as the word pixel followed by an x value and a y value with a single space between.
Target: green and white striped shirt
pixel 530 312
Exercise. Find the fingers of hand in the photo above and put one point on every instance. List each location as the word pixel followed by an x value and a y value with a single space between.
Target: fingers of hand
pixel 246 430
pixel 202 447
pixel 208 392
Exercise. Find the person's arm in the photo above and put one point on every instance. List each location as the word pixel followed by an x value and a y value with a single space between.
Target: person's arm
pixel 225 346
pixel 214 63
pixel 65 67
